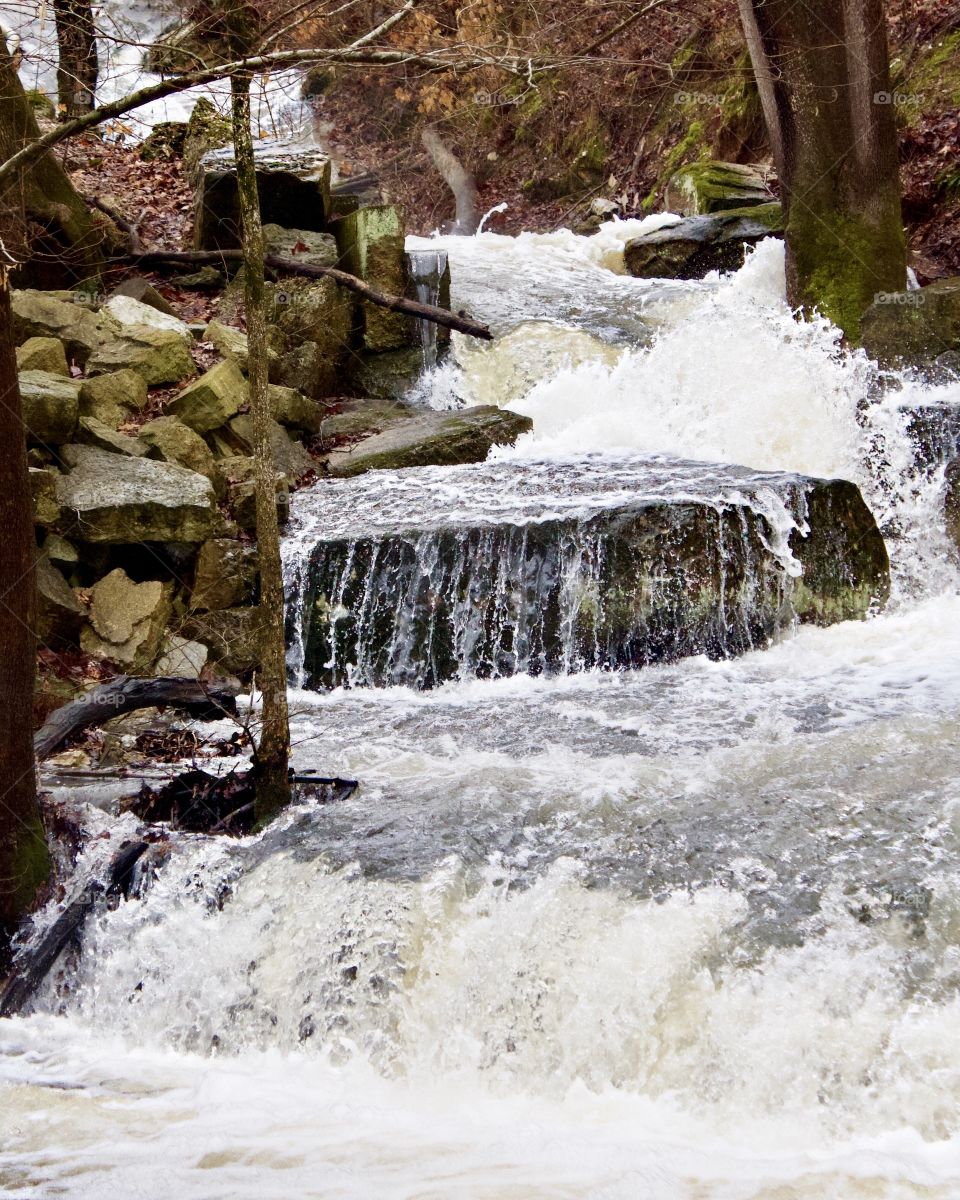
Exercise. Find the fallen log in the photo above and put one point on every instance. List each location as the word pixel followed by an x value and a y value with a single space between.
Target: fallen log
pixel 426 312
pixel 127 694
pixel 34 961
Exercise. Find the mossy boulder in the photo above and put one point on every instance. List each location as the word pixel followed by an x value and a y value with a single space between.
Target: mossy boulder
pixel 228 341
pixel 293 181
pixel 695 246
pixel 127 620
pixel 39 314
pixel 294 410
pixel 50 406
pixel 418 594
pixel 91 432
pixel 43 354
pixel 290 458
pixel 113 398
pixel 226 575
pixel 213 399
pixel 166 140
pixel 913 328
pixel 711 187
pixel 387 376
pixel 313 320
pixel 371 245
pixel 170 440
pixel 158 356
pixel 432 439
pixel 115 499
pixel 207 129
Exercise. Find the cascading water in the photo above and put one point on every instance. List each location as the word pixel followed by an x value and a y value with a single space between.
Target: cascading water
pixel 691 930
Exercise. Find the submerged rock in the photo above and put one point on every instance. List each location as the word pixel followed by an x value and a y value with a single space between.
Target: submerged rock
pixel 697 245
pixel 418 597
pixel 432 439
pixel 111 498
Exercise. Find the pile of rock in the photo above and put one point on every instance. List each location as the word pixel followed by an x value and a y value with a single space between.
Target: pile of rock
pixel 144 505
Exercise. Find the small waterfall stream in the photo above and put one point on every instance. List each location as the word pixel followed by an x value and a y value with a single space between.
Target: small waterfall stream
pixel 688 928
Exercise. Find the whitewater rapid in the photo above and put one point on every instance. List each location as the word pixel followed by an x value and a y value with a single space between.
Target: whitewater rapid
pixel 685 932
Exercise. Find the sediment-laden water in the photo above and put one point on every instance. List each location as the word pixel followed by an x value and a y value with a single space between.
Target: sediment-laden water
pixel 691 930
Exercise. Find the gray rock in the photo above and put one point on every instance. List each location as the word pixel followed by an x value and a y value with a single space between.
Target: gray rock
pixel 294 185
pixel 138 288
pixel 40 314
pixel 59 613
pixel 50 405
pixel 114 499
pixel 291 459
pixel 213 399
pixel 131 312
pixel 92 432
pixel 181 658
pixel 432 439
pixel 127 620
pixel 696 246
pixel 294 410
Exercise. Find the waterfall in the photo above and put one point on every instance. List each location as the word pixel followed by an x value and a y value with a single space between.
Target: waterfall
pixel 655 893
pixel 430 273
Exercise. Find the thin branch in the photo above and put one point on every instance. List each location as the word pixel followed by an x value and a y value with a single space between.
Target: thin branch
pixel 427 312
pixel 621 28
pixel 262 63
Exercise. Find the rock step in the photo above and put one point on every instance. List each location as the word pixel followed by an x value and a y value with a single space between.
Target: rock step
pixel 650 575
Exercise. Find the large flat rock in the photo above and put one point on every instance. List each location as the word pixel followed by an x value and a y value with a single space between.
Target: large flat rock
pixel 432 439
pixel 112 498
pixel 696 246
pixel 496 570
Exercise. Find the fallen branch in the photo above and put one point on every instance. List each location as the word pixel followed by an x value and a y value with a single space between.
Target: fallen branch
pixel 122 223
pixel 126 694
pixel 426 312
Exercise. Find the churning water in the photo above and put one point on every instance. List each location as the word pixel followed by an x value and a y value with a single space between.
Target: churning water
pixel 685 931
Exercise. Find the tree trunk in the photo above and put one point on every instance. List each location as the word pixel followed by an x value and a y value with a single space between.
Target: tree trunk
pixel 24 860
pixel 273 753
pixel 823 72
pixel 77 66
pixel 53 233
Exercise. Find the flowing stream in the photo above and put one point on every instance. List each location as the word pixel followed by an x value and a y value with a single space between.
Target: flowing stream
pixel 684 931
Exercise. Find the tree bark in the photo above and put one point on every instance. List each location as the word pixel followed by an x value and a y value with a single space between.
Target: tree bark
pixel 77 66
pixel 49 228
pixel 457 178
pixel 24 859
pixel 272 759
pixel 823 73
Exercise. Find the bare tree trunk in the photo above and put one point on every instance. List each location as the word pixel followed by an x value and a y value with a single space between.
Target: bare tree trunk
pixel 457 178
pixel 273 753
pixel 77 66
pixel 24 860
pixel 823 72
